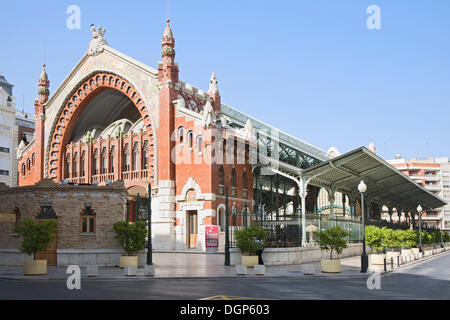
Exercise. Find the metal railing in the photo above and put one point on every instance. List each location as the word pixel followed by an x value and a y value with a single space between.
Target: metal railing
pixel 286 232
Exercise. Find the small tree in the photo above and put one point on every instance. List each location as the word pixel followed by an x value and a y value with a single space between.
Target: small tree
pixel 251 240
pixel 131 236
pixel 332 239
pixel 36 236
pixel 375 238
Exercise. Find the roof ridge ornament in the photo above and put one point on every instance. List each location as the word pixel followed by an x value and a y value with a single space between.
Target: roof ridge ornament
pixel 209 115
pixel 96 46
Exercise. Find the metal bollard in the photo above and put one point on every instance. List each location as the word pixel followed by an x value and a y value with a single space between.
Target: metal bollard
pixel 398 261
pixel 385 266
pixel 392 263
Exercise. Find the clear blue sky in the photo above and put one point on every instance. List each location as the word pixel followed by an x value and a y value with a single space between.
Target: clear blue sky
pixel 308 67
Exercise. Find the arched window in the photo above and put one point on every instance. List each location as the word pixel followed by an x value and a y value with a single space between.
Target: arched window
pixel 111 160
pixel 67 168
pixel 126 158
pixel 145 156
pixel 83 164
pixel 135 157
pixel 233 177
pixel 233 182
pixel 221 217
pixel 87 220
pixel 33 159
pixel 104 164
pixel 245 184
pixel 28 165
pixel 75 165
pixel 95 163
pixel 181 135
pixel 221 179
pixel 23 169
pixel 199 144
pixel 190 137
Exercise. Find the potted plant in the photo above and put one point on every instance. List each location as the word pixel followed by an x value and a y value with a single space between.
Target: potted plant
pixel 250 241
pixel 36 237
pixel 375 238
pixel 332 240
pixel 132 239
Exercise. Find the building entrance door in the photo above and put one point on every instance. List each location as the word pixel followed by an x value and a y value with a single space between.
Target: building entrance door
pixel 192 229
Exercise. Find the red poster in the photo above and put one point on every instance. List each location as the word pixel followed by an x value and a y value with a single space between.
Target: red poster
pixel 212 237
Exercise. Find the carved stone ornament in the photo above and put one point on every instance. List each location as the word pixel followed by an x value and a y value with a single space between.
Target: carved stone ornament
pixel 209 115
pixel 249 131
pixel 96 46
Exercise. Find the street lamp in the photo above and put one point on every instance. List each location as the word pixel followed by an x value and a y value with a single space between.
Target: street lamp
pixel 362 188
pixel 419 210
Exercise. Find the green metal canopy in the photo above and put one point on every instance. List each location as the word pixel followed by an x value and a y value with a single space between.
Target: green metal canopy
pixel 385 184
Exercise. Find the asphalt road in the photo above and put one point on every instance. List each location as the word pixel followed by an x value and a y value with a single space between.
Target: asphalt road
pixel 426 280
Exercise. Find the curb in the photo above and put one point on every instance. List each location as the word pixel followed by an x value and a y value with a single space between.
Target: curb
pixel 423 259
pixel 250 276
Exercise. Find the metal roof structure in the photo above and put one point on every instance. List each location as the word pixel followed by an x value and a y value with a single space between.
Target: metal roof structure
pixel 291 149
pixel 385 184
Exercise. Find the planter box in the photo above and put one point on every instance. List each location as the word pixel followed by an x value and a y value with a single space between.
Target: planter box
pixel 406 252
pixel 35 267
pixel 331 266
pixel 250 261
pixel 392 254
pixel 128 261
pixel 415 250
pixel 377 259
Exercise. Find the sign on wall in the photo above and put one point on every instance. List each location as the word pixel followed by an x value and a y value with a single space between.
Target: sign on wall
pixel 212 237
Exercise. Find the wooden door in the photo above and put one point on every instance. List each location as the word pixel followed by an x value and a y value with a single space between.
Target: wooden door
pixel 49 254
pixel 193 230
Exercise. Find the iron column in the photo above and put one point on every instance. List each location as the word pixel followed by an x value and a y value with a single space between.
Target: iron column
pixel 227 236
pixel 149 241
pixel 419 210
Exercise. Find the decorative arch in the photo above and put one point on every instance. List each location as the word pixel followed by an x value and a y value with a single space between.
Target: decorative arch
pixel 74 107
pixel 191 185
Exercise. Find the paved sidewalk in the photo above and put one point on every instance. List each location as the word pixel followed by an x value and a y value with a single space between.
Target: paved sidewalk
pixel 186 265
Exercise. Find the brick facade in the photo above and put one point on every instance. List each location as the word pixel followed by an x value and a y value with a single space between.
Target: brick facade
pixel 68 202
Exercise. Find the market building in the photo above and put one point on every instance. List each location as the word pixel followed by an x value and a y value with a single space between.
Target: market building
pixel 116 119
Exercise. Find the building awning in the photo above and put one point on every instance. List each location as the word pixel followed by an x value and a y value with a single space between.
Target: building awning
pixel 385 184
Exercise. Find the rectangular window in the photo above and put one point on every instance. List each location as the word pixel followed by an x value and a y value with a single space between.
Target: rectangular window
pixel 87 225
pixel 4 173
pixel 5 150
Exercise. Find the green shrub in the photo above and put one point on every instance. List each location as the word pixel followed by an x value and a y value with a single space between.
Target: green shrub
pixel 410 238
pixel 251 240
pixel 375 238
pixel 392 238
pixel 131 236
pixel 36 236
pixel 446 237
pixel 333 239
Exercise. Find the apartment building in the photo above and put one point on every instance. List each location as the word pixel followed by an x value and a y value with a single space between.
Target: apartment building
pixel 434 175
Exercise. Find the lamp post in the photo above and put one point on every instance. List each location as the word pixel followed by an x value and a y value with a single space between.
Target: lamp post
pixel 149 241
pixel 362 188
pixel 419 210
pixel 227 235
